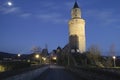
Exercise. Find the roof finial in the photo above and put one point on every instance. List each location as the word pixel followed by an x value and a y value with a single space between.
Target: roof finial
pixel 76 5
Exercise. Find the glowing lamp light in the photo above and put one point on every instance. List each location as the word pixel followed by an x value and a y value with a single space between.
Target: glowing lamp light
pixel 2 68
pixel 114 57
pixel 28 60
pixel 19 55
pixel 44 58
pixel 54 58
pixel 37 56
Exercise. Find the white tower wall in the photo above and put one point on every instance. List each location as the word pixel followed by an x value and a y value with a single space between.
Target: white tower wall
pixel 77 30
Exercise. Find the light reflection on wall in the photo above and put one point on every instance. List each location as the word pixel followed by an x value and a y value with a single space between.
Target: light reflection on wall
pixel 2 68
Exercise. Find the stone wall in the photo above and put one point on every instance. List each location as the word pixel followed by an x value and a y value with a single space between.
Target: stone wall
pixel 28 75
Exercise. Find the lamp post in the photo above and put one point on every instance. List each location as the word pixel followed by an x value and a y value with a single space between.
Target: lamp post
pixel 68 60
pixel 37 56
pixel 44 59
pixel 114 57
pixel 54 58
pixel 19 55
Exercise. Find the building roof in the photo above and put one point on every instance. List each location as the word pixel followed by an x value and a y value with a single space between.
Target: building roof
pixel 76 5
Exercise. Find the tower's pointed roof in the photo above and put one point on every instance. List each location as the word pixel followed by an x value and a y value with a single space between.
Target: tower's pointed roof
pixel 76 5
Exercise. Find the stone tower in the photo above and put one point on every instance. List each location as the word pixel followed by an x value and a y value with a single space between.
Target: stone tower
pixel 77 40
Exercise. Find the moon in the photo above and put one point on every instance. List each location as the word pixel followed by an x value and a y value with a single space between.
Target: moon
pixel 9 3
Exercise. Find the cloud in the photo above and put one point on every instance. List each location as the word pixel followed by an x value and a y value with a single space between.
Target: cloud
pixel 106 17
pixel 51 17
pixel 11 10
pixel 47 4
pixel 25 15
pixel 69 4
pixel 47 16
pixel 50 12
pixel 5 10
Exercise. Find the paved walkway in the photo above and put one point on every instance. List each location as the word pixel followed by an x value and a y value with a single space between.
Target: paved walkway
pixel 57 73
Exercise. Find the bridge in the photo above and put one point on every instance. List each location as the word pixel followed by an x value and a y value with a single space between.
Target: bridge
pixel 55 72
pixel 49 72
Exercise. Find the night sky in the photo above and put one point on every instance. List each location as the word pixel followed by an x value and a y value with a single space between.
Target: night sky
pixel 25 24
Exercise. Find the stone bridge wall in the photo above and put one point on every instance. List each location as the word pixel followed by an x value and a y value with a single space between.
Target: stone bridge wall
pixel 28 75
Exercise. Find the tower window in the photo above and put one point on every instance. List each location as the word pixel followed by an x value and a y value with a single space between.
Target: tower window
pixel 75 10
pixel 72 50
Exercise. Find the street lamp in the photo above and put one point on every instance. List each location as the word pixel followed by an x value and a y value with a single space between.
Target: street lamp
pixel 19 55
pixel 114 57
pixel 37 56
pixel 54 58
pixel 44 59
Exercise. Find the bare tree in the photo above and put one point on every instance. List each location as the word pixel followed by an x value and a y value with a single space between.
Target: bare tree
pixel 36 49
pixel 112 50
pixel 94 55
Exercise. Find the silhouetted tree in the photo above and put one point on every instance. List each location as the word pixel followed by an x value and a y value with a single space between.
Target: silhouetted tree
pixel 111 53
pixel 36 49
pixel 94 56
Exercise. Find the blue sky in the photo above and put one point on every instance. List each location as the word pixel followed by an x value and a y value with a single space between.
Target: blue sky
pixel 29 23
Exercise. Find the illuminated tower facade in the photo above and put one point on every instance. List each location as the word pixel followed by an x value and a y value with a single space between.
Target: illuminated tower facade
pixel 77 39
